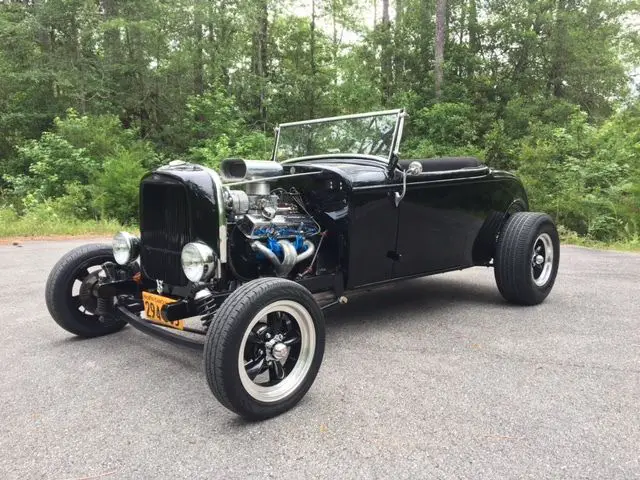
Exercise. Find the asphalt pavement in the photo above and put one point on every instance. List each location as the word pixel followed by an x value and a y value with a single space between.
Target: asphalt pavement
pixel 430 378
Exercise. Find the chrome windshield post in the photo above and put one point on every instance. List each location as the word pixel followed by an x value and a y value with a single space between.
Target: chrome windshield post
pixel 276 133
pixel 397 137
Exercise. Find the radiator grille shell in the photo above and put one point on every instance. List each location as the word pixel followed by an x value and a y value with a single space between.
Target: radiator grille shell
pixel 173 214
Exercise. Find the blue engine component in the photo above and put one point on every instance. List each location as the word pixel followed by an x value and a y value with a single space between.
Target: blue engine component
pixel 286 232
pixel 286 224
pixel 281 226
pixel 275 247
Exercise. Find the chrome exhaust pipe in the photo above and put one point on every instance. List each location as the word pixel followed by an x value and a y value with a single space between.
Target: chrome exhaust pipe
pixel 290 256
pixel 311 248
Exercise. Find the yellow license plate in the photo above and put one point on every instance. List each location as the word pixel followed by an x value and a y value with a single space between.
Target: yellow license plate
pixel 153 307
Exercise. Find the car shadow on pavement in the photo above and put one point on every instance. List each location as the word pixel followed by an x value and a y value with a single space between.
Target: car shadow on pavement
pixel 130 338
pixel 404 299
pixel 398 301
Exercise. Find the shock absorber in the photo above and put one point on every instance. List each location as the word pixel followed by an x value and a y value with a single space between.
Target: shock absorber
pixel 110 272
pixel 104 307
pixel 206 306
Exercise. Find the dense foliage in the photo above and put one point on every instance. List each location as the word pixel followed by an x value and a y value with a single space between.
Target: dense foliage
pixel 93 93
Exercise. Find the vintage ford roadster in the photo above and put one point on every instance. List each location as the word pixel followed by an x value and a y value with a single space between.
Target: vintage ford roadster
pixel 235 262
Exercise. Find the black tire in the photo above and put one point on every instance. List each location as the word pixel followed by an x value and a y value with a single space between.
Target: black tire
pixel 514 271
pixel 225 337
pixel 76 313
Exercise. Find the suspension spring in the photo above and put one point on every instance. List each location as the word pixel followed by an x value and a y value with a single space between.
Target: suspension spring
pixel 206 306
pixel 104 306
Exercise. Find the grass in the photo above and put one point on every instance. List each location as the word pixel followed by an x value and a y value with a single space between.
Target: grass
pixel 44 223
pixel 623 246
pixel 572 238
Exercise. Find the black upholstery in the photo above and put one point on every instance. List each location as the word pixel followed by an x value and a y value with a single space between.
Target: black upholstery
pixel 441 164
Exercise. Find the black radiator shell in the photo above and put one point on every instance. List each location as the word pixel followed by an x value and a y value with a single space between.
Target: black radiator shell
pixel 177 206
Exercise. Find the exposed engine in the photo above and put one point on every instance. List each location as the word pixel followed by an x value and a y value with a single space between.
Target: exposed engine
pixel 274 222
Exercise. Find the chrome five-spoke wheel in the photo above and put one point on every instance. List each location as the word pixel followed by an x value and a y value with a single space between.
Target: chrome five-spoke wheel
pixel 542 259
pixel 277 351
pixel 264 347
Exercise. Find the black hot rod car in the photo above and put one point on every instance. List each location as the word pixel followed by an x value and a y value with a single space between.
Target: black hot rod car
pixel 234 262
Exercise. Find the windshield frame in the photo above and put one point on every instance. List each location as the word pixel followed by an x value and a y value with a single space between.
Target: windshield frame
pixel 394 147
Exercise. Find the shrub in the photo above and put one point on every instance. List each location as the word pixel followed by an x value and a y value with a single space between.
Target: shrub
pixel 89 167
pixel 253 145
pixel 501 151
pixel 76 203
pixel 587 177
pixel 102 136
pixel 116 187
pixel 450 124
pixel 52 163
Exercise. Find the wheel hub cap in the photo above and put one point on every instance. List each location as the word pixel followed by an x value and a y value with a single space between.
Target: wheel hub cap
pixel 542 259
pixel 280 352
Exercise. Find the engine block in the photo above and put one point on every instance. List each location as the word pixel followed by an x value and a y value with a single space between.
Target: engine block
pixel 282 226
pixel 270 216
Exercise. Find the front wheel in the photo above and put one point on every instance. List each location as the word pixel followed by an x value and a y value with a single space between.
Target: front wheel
pixel 264 347
pixel 70 292
pixel 527 258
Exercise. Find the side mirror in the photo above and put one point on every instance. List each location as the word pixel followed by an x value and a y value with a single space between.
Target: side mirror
pixel 414 168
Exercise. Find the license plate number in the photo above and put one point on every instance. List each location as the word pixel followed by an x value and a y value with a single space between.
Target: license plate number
pixel 153 310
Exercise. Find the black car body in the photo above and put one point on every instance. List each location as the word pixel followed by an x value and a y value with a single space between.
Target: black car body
pixel 323 215
pixel 447 220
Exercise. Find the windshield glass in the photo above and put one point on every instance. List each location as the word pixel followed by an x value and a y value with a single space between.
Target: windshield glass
pixel 365 134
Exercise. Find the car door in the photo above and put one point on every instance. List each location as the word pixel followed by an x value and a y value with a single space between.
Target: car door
pixel 437 225
pixel 373 228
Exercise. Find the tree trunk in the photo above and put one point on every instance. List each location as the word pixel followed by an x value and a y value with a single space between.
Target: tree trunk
pixel 558 50
pixel 137 95
pixel 441 18
pixel 398 38
pixel 112 51
pixel 474 40
pixel 43 33
pixel 77 64
pixel 312 52
pixel 219 41
pixel 111 35
pixel 386 57
pixel 375 12
pixel 335 45
pixel 198 73
pixel 259 61
pixel 474 37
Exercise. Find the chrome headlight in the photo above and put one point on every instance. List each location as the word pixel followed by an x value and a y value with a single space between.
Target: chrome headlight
pixel 198 261
pixel 126 248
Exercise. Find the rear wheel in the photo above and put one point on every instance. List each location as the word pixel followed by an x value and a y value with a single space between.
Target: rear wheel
pixel 70 292
pixel 264 347
pixel 527 258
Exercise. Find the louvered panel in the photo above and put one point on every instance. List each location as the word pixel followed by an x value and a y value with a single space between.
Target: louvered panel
pixel 165 225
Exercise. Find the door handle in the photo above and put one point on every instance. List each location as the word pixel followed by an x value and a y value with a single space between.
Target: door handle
pixel 414 168
pixel 399 196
